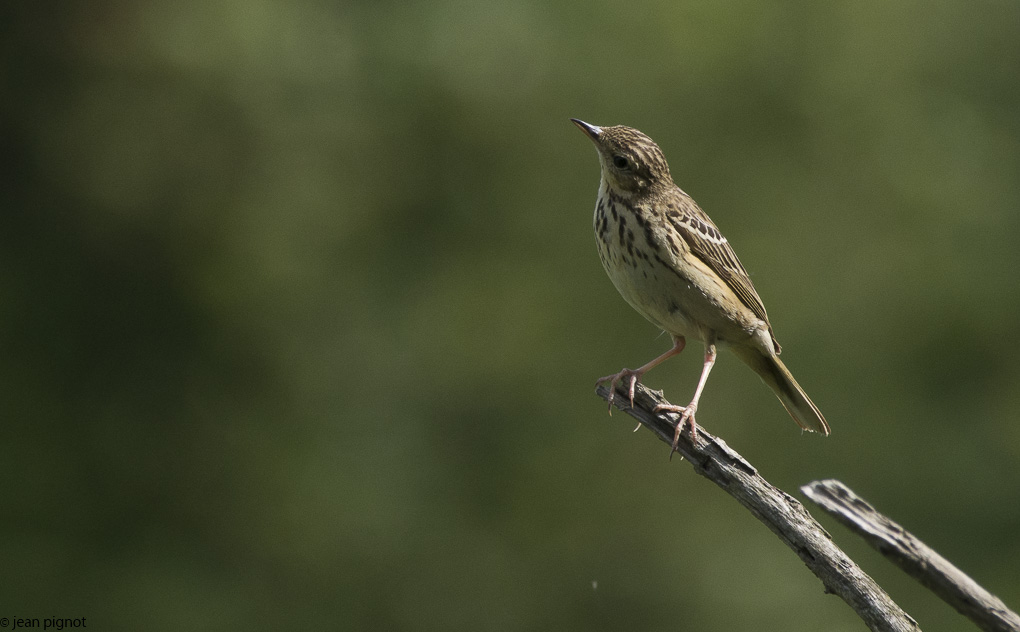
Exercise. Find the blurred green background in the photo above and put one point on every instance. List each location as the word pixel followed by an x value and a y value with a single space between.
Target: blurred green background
pixel 300 308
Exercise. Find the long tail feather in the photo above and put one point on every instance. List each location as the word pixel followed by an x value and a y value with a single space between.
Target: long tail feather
pixel 774 373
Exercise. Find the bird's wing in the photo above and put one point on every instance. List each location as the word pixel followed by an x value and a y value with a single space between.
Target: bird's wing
pixel 709 245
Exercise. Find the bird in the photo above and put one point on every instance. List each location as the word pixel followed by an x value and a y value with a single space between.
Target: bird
pixel 671 263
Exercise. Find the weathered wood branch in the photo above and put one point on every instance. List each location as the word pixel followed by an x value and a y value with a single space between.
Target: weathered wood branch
pixel 915 557
pixel 780 512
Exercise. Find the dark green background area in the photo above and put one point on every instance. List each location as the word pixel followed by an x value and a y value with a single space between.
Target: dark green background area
pixel 301 313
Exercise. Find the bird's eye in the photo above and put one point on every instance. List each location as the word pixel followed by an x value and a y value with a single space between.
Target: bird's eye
pixel 620 162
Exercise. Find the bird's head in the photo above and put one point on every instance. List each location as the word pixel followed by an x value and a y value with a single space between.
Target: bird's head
pixel 631 162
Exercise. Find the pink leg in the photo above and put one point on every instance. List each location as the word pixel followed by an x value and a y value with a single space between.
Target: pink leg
pixel 687 412
pixel 635 375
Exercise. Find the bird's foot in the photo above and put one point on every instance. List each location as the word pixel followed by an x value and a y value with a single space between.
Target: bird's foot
pixel 630 374
pixel 686 418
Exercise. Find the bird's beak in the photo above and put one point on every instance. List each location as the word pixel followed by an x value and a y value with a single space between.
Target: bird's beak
pixel 592 131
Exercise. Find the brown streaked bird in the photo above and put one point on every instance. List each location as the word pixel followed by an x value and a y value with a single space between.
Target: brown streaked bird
pixel 671 263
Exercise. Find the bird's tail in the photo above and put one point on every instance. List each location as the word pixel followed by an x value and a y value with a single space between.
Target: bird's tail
pixel 774 373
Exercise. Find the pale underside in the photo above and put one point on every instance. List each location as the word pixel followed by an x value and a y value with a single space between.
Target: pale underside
pixel 690 300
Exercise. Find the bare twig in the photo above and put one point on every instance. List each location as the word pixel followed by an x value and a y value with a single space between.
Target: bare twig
pixel 780 512
pixel 919 561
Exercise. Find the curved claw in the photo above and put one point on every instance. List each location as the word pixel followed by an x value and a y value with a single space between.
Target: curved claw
pixel 635 374
pixel 613 379
pixel 686 418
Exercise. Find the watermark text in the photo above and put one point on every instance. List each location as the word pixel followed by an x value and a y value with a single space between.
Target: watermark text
pixel 52 623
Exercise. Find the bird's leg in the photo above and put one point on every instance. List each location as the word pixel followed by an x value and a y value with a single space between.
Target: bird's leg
pixel 635 374
pixel 687 412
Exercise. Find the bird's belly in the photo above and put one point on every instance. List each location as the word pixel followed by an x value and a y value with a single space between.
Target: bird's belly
pixel 682 305
pixel 670 287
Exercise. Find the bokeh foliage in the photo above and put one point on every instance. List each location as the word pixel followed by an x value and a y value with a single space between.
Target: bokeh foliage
pixel 300 310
